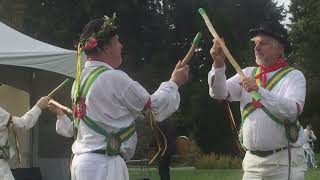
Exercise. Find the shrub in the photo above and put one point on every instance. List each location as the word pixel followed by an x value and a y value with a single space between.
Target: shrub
pixel 218 161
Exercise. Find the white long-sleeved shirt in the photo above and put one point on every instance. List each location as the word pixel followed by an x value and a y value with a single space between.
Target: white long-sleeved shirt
pixel 260 132
pixel 27 121
pixel 308 137
pixel 115 101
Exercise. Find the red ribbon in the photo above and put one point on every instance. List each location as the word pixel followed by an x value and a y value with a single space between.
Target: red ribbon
pixel 147 106
pixel 10 122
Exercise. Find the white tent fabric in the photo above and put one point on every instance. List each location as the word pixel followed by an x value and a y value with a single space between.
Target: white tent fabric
pixel 37 68
pixel 21 50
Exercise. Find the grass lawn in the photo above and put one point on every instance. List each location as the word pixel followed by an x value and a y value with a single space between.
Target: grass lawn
pixel 195 174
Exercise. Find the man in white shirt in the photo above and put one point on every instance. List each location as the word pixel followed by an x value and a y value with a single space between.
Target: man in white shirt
pixel 27 121
pixel 308 145
pixel 272 152
pixel 112 101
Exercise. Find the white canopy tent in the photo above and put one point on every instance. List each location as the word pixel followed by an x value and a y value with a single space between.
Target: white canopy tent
pixel 36 68
pixel 18 49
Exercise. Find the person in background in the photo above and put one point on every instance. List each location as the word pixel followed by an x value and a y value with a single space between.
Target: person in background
pixel 165 161
pixel 7 120
pixel 308 146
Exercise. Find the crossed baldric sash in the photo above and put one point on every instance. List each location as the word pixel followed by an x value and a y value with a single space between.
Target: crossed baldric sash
pixel 291 128
pixel 5 150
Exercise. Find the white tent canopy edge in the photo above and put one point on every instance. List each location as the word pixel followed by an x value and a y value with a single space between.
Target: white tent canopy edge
pixel 21 50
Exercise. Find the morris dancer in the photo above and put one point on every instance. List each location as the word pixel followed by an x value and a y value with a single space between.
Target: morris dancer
pixel 270 131
pixel 27 121
pixel 107 103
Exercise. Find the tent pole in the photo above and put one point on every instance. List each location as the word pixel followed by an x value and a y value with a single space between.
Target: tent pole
pixel 33 131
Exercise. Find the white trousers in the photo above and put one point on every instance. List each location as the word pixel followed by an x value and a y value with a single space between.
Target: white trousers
pixel 91 166
pixel 275 166
pixel 5 172
pixel 310 158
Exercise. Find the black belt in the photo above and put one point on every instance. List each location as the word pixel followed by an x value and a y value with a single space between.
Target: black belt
pixel 102 151
pixel 267 153
pixel 99 151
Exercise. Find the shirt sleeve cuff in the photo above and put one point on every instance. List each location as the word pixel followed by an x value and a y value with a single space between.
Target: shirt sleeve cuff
pixel 36 110
pixel 218 71
pixel 63 117
pixel 172 84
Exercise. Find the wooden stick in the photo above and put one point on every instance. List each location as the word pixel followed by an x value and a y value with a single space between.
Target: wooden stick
pixel 223 46
pixel 192 49
pixel 225 50
pixel 62 85
pixel 62 107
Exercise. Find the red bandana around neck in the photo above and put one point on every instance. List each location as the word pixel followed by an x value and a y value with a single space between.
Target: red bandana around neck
pixel 264 70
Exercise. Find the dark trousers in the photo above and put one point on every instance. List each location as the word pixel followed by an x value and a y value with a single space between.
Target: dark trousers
pixel 164 167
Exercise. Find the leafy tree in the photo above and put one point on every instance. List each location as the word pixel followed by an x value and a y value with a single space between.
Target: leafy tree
pixel 305 36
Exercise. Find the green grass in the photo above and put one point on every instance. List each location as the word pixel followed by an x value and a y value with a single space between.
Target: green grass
pixel 312 174
pixel 195 174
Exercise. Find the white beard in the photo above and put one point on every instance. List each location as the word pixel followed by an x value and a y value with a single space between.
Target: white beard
pixel 259 61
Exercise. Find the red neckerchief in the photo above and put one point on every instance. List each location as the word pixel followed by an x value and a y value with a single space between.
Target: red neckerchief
pixel 264 70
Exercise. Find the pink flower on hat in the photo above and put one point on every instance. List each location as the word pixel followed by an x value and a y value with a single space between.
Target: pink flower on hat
pixel 91 43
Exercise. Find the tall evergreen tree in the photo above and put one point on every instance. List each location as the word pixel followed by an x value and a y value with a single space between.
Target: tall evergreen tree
pixel 305 35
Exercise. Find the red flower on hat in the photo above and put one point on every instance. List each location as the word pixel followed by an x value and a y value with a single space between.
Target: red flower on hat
pixel 90 44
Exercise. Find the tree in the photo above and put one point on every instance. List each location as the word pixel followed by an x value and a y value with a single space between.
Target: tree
pixel 305 35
